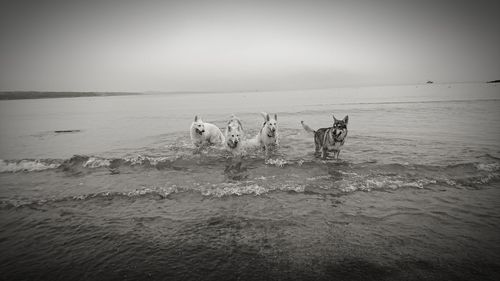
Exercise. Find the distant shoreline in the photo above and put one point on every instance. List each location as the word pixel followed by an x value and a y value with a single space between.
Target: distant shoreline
pixel 20 95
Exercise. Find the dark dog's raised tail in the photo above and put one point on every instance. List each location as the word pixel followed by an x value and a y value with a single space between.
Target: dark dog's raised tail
pixel 307 128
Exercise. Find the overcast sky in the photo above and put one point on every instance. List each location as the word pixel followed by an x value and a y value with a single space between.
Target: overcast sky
pixel 244 45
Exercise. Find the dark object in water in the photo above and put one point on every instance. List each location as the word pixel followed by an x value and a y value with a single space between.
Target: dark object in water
pixel 430 82
pixel 67 131
pixel 493 81
pixel 16 95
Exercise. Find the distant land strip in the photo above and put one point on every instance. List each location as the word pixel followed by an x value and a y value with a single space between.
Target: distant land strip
pixel 18 95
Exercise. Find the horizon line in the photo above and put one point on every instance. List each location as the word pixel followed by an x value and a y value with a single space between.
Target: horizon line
pixel 248 90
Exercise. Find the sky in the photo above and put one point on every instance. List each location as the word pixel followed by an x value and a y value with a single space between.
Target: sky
pixel 121 45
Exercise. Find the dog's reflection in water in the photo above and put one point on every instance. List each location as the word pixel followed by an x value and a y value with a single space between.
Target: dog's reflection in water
pixel 234 169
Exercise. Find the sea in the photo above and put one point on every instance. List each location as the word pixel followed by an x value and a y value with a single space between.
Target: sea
pixel 111 187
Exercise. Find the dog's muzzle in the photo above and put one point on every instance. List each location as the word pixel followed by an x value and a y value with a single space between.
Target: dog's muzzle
pixel 337 133
pixel 200 131
pixel 232 144
pixel 271 133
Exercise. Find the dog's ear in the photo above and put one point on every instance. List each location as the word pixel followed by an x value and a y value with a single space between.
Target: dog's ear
pixel 334 119
pixel 275 117
pixel 346 119
pixel 229 128
pixel 264 115
pixel 195 118
pixel 239 122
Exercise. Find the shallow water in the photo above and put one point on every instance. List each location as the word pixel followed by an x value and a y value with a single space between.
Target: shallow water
pixel 414 195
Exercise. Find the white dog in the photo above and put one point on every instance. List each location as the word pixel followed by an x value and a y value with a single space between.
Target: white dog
pixel 205 133
pixel 234 135
pixel 268 134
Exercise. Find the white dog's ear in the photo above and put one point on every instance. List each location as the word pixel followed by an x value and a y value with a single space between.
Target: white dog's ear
pixel 346 119
pixel 265 116
pixel 195 118
pixel 275 117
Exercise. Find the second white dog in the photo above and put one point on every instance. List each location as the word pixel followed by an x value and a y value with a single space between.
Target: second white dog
pixel 234 135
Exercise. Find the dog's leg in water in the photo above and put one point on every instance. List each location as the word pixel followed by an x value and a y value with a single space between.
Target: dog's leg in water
pixel 265 149
pixel 269 150
pixel 324 153
pixel 316 150
pixel 197 149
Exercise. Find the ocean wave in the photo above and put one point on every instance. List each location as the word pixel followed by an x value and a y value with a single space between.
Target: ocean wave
pixel 384 183
pixel 342 182
pixel 487 167
pixel 160 193
pixel 93 162
pixel 360 176
pixel 247 188
pixel 27 165
pixel 145 192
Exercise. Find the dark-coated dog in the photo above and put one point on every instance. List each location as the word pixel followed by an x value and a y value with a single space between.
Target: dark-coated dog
pixel 329 139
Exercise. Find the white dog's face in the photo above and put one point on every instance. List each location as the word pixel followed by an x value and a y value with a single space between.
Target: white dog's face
pixel 270 124
pixel 233 136
pixel 198 125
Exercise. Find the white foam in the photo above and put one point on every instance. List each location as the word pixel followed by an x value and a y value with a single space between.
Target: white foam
pixel 288 187
pixel 490 167
pixel 94 162
pixel 450 182
pixel 135 160
pixel 164 191
pixel 226 189
pixel 276 162
pixel 487 178
pixel 140 159
pixel 25 166
pixel 247 188
pixel 381 183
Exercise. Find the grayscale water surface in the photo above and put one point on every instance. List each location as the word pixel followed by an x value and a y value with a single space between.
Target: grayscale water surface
pixel 414 196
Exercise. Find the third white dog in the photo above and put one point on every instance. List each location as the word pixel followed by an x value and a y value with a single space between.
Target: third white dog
pixel 268 135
